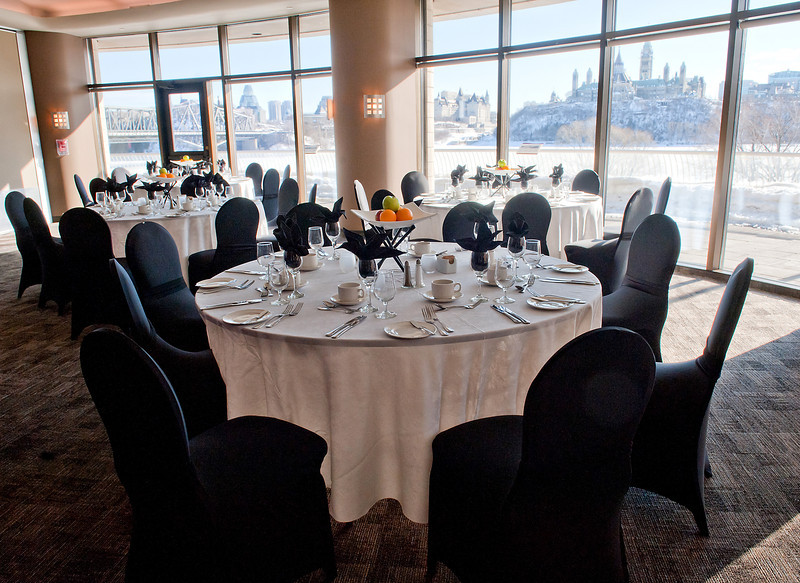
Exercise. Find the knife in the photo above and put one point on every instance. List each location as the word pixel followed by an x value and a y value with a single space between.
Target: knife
pixel 246 271
pixel 559 280
pixel 231 304
pixel 339 330
pixel 511 315
pixel 515 315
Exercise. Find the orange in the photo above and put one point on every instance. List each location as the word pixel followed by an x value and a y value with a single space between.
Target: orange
pixel 388 215
pixel 404 214
pixel 170 175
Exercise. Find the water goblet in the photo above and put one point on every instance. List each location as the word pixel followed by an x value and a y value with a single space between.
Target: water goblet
pixel 315 240
pixel 293 260
pixel 533 254
pixel 368 272
pixel 516 248
pixel 333 230
pixel 479 261
pixel 504 277
pixel 265 255
pixel 228 192
pixel 278 280
pixel 385 291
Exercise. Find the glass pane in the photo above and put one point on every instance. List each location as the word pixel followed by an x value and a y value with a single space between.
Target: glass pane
pixel 186 54
pixel 315 41
pixel 665 122
pixel 264 124
pixel 464 111
pixel 764 210
pixel 553 111
pixel 635 13
pixel 533 21
pixel 258 47
pixel 123 59
pixel 128 119
pixel 220 143
pixel 767 3
pixel 320 149
pixel 463 26
pixel 186 124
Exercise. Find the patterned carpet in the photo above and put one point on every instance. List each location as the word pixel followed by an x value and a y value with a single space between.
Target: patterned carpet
pixel 64 516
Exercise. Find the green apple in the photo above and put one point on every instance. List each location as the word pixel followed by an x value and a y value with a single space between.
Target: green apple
pixel 391 202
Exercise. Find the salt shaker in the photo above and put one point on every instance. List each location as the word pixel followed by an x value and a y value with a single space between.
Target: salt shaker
pixel 419 281
pixel 407 272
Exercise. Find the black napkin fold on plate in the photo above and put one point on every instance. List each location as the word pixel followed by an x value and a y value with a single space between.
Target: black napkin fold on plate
pixel 218 180
pixel 152 188
pixel 517 227
pixel 484 241
pixel 333 216
pixel 114 186
pixel 369 246
pixel 289 236
pixel 558 173
pixel 457 175
pixel 524 175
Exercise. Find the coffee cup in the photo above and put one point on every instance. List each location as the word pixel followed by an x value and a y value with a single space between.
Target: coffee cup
pixel 350 292
pixel 420 247
pixel 444 289
pixel 188 204
pixel 145 209
pixel 310 261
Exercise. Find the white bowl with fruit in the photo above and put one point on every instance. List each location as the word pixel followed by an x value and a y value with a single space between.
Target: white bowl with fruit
pixel 393 215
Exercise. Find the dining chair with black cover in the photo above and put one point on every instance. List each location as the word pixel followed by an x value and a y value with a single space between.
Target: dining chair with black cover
pixel 669 450
pixel 537 496
pixel 287 172
pixel 312 195
pixel 535 209
pixel 663 197
pixel 641 302
pixel 155 267
pixel 194 375
pixel 85 200
pixel 413 185
pixel 242 501
pixel 458 222
pixel 236 226
pixel 271 187
pixel 96 296
pixel 288 195
pixel 255 173
pixel 586 180
pixel 96 185
pixel 376 202
pixel 31 273
pixel 55 284
pixel 607 259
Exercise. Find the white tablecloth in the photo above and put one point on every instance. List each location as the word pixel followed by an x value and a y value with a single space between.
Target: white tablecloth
pixel 573 219
pixel 379 401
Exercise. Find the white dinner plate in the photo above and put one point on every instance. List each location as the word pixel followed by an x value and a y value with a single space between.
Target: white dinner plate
pixel 251 316
pixel 430 296
pixel 406 330
pixel 215 282
pixel 335 299
pixel 547 304
pixel 569 268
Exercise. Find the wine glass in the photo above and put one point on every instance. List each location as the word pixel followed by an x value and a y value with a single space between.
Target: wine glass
pixel 504 277
pixel 479 262
pixel 315 240
pixel 265 255
pixel 100 198
pixel 278 280
pixel 533 254
pixel 516 248
pixel 293 260
pixel 368 272
pixel 385 291
pixel 333 230
pixel 200 193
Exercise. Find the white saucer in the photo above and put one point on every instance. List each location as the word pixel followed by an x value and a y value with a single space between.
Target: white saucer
pixel 304 268
pixel 406 330
pixel 335 299
pixel 569 268
pixel 251 316
pixel 431 297
pixel 215 282
pixel 547 305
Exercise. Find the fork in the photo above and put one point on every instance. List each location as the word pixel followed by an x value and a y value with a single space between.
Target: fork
pixel 293 312
pixel 427 315
pixel 285 312
pixel 244 285
pixel 447 328
pixel 471 306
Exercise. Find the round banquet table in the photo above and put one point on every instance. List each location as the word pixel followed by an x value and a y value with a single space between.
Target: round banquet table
pixel 578 216
pixel 378 401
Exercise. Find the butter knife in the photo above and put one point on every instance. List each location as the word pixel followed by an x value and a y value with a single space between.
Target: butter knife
pixel 231 304
pixel 513 317
pixel 559 280
pixel 349 325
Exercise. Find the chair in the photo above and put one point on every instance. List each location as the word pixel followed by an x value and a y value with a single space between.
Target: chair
pixel 458 223
pixel 96 296
pixel 663 197
pixel 361 202
pixel 272 184
pixel 640 303
pixel 120 175
pixel 586 180
pixel 31 266
pixel 309 214
pixel 96 185
pixel 376 202
pixel 537 213
pixel 413 185
pixel 287 172
pixel 669 450
pixel 236 226
pixel 82 191
pixel 155 267
pixel 607 259
pixel 55 285
pixel 194 375
pixel 537 497
pixel 312 196
pixel 288 196
pixel 242 501
pixel 255 173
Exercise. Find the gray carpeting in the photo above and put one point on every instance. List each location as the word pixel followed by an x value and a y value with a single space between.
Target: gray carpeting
pixel 64 516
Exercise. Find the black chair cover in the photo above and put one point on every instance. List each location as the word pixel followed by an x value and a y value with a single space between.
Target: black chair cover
pixel 255 173
pixel 287 173
pixel 537 213
pixel 272 184
pixel 312 196
pixel 669 451
pixel 663 197
pixel 376 202
pixel 31 266
pixel 586 180
pixel 242 501
pixel 55 285
pixel 537 497
pixel 96 185
pixel 288 196
pixel 85 200
pixel 413 184
pixel 457 222
pixel 155 267
pixel 307 215
pixel 640 303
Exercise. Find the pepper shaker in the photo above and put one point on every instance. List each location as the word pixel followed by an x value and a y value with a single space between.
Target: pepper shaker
pixel 419 281
pixel 407 283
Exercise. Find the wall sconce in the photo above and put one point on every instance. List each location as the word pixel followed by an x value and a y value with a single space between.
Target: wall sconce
pixel 373 106
pixel 61 120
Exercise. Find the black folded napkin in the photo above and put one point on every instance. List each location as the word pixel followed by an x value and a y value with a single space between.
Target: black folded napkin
pixel 152 188
pixel 217 180
pixel 484 241
pixel 524 175
pixel 371 247
pixel 114 186
pixel 289 236
pixel 333 216
pixel 481 213
pixel 482 176
pixel 152 167
pixel 457 175
pixel 517 227
pixel 558 173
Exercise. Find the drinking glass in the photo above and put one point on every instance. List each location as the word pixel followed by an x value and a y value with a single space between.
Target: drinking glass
pixel 504 277
pixel 265 255
pixel 428 263
pixel 228 192
pixel 315 240
pixel 385 291
pixel 479 261
pixel 100 198
pixel 200 194
pixel 368 272
pixel 333 230
pixel 278 280
pixel 533 254
pixel 516 248
pixel 293 261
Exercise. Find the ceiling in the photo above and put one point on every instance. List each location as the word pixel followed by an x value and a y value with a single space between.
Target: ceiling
pixel 104 17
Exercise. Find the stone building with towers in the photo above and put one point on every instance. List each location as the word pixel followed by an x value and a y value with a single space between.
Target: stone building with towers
pixel 460 107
